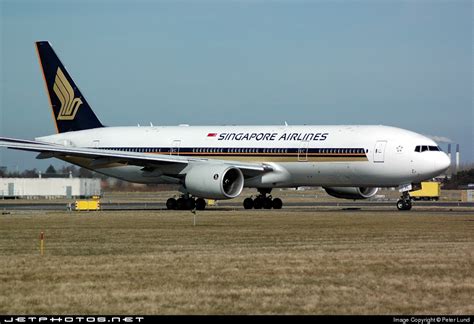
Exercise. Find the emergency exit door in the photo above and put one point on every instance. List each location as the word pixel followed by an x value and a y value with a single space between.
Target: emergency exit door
pixel 174 150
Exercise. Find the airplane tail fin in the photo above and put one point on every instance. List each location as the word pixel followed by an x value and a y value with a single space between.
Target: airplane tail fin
pixel 71 112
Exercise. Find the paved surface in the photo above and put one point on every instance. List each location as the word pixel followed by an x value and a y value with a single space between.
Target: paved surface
pixel 230 204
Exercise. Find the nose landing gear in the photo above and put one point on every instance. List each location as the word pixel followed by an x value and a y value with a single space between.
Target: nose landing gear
pixel 404 203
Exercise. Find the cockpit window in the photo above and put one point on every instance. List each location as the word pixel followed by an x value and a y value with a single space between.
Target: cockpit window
pixel 423 148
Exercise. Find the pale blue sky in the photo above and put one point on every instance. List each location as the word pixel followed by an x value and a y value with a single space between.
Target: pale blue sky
pixel 401 63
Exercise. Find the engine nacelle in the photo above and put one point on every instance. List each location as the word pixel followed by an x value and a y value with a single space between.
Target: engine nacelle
pixel 217 181
pixel 352 192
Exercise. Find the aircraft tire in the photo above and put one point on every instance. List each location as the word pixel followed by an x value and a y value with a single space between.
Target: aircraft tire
pixel 277 203
pixel 171 204
pixel 408 205
pixel 200 204
pixel 400 205
pixel 181 204
pixel 258 203
pixel 248 203
pixel 190 203
pixel 267 203
pixel 404 204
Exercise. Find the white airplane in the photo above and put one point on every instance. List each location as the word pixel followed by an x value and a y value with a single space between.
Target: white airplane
pixel 217 162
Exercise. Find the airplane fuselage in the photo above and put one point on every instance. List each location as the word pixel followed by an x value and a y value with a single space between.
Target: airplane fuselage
pixel 368 156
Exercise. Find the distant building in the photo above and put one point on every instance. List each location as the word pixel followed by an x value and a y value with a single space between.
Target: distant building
pixel 49 188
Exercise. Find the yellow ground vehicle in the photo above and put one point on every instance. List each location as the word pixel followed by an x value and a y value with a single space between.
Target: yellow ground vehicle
pixel 92 204
pixel 428 191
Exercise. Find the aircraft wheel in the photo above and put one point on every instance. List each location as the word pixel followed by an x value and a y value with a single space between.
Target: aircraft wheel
pixel 171 203
pixel 404 204
pixel 248 203
pixel 277 203
pixel 258 203
pixel 400 204
pixel 408 205
pixel 267 203
pixel 190 203
pixel 200 204
pixel 181 204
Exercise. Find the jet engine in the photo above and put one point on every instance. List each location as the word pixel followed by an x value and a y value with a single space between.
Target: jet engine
pixel 217 181
pixel 352 192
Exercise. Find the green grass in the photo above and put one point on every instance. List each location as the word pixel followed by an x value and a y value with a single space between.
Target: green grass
pixel 238 262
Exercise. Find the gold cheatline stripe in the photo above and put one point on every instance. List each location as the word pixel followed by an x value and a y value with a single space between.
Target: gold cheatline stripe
pixel 86 162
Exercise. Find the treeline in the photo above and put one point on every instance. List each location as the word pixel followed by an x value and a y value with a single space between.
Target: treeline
pixel 50 172
pixel 461 179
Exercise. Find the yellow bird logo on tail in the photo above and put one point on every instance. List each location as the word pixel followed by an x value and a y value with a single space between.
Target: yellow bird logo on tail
pixel 63 90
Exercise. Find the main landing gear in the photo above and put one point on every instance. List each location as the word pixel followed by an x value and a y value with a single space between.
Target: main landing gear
pixel 263 201
pixel 404 203
pixel 186 203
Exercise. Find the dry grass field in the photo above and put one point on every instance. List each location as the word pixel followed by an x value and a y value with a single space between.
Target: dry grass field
pixel 238 262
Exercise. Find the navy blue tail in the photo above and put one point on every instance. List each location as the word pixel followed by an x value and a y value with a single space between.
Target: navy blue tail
pixel 71 112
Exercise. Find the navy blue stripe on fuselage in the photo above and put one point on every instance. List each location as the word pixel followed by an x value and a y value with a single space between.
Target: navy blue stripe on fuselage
pixel 249 151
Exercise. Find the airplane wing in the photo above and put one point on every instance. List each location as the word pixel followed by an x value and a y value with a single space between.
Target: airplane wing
pixel 100 156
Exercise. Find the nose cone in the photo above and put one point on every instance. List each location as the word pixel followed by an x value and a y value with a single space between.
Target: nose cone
pixel 442 163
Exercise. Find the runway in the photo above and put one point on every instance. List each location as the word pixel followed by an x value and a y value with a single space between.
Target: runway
pixel 231 205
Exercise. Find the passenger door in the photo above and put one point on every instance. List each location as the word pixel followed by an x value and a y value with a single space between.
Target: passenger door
pixel 379 151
